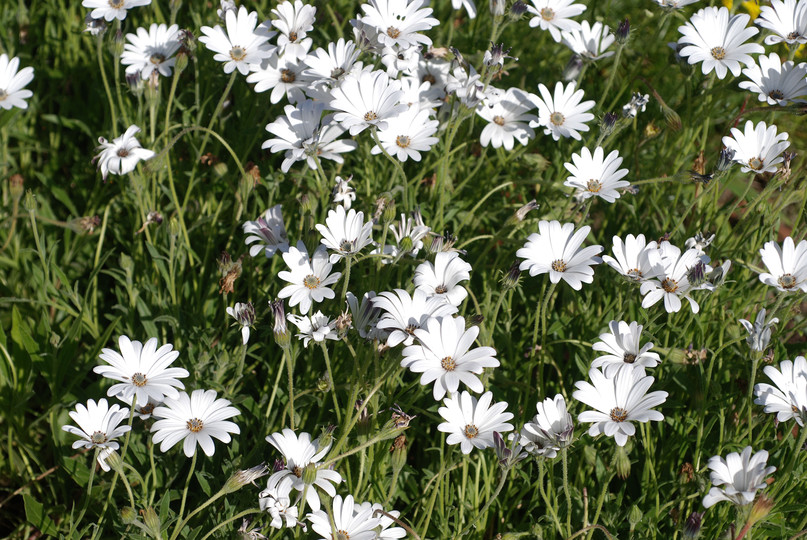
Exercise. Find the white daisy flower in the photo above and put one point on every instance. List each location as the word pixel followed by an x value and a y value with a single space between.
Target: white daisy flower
pixel 623 347
pixel 398 60
pixel 294 21
pixel 550 430
pixel 333 65
pixel 244 314
pixel 317 327
pixel 554 16
pixel 788 398
pixel 309 277
pixel 243 43
pixel 403 314
pixel 471 423
pixel 786 265
pixel 757 148
pixel 122 155
pixel 365 315
pixel 386 531
pixel 786 19
pixel 442 279
pixel 408 134
pixel 741 475
pixel 110 10
pixel 279 507
pixel 777 82
pixel 469 6
pixel 369 98
pixel 508 120
pixel 284 75
pixel 398 22
pixel 198 418
pixel 555 250
pixel 434 71
pixel 591 42
pixel 672 278
pixel 445 358
pixel 759 333
pixel 718 39
pixel 700 242
pixel 302 455
pixel 350 521
pixel 267 234
pixel 466 85
pixel 304 135
pixel 345 232
pixel 143 370
pixel 343 192
pixel 224 7
pixel 674 4
pixel 418 95
pixel 618 400
pixel 98 427
pixel 151 50
pixel 13 82
pixel 562 115
pixel 596 176
pixel 634 258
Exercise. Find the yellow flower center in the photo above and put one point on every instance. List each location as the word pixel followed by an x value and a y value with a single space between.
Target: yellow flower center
pixel 238 53
pixel 311 281
pixel 559 265
pixel 292 36
pixel 787 281
pixel 498 120
pixel 629 358
pixel 98 437
pixel 594 186
pixel 393 32
pixel 718 53
pixel 369 116
pixel 471 431
pixel 547 14
pixel 287 76
pixel 448 363
pixel 195 425
pixel 403 141
pixel 669 285
pixel 618 414
pixel 116 4
pixel 139 379
pixel 756 163
pixel 557 118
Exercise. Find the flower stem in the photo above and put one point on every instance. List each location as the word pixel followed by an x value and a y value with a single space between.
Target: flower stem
pixel 482 512
pixel 565 461
pixel 544 496
pixel 348 262
pixel 89 492
pixel 289 371
pixel 99 51
pixel 230 520
pixel 754 364
pixel 181 522
pixel 395 163
pixel 612 76
pixel 217 110
pixel 333 383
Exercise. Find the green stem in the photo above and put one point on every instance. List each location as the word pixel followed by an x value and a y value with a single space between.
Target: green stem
pixel 348 262
pixel 798 448
pixel 754 364
pixel 110 100
pixel 395 163
pixel 482 512
pixel 181 522
pixel 230 520
pixel 544 496
pixel 612 76
pixel 89 493
pixel 216 112
pixel 565 461
pixel 289 371
pixel 332 381
pixel 354 450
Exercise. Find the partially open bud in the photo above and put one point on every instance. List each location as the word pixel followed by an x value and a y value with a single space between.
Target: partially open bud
pixel 518 9
pixel 607 124
pixel 398 451
pixel 279 329
pixel 762 507
pixel 497 7
pixel 573 67
pixel 725 160
pixel 511 277
pixel 248 476
pixel 622 32
pixel 692 528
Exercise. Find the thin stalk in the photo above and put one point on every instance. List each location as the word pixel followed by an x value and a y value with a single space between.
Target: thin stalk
pixel 171 94
pixel 348 262
pixel 544 496
pixel 482 512
pixel 181 522
pixel 277 384
pixel 754 364
pixel 289 371
pixel 110 100
pixel 612 76
pixel 216 111
pixel 395 163
pixel 230 520
pixel 333 382
pixel 565 461
pixel 89 493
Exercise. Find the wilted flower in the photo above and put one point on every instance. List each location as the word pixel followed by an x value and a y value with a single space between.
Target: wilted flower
pixel 244 314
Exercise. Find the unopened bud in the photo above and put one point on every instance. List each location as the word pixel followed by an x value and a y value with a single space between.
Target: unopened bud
pixel 634 516
pixel 573 67
pixel 718 276
pixel 474 320
pixel 181 62
pixel 762 507
pixel 522 212
pixel 398 451
pixel 622 32
pixel 152 521
pixel 220 169
pixel 29 203
pixel 697 274
pixel 324 383
pixel 280 330
pixel 128 515
pixel 692 528
pixel 326 436
pixel 310 474
pixel 388 214
pixel 608 123
pixel 511 277
pixel 15 186
pixel 621 462
pixel 344 322
pixel 174 227
pixel 725 160
pixel 363 422
pixel 307 204
pixel 518 9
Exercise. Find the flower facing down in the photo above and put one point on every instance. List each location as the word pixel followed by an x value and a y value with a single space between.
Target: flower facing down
pixel 549 430
pixel 622 347
pixel 618 400
pixel 757 149
pixel 198 418
pixel 13 82
pixel 143 370
pixel 309 278
pixel 740 475
pixel 279 507
pixel 98 427
pixel 267 234
pixel 244 314
pixel 786 265
pixel 471 423
pixel 122 154
pixel 759 333
pixel 318 327
pixel 350 521
pixel 555 249
pixel 788 398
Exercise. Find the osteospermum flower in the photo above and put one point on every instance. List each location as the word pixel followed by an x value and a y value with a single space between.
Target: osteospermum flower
pixel 718 39
pixel 618 400
pixel 788 398
pixel 302 456
pixel 122 155
pixel 409 233
pixel 554 16
pixel 403 314
pixel 243 43
pixel 408 134
pixel 555 250
pixel 741 475
pixel 267 234
pixel 471 423
pixel 757 148
pixel 317 327
pixel 365 315
pixel 591 42
pixel 350 521
pixel 143 370
pixel 345 232
pixel 368 98
pixel 634 258
pixel 550 430
pixel 672 280
pixel 151 50
pixel 343 192
pixel 623 347
pixel 445 358
pixel 508 120
pixel 777 82
pixel 786 265
pixel 594 175
pixel 562 114
pixel 398 22
pixel 13 82
pixel 759 333
pixel 385 531
pixel 110 10
pixel 278 505
pixel 442 279
pixel 786 19
pixel 294 21
pixel 196 419
pixel 284 75
pixel 309 277
pixel 98 427
pixel 674 4
pixel 332 65
pixel 244 314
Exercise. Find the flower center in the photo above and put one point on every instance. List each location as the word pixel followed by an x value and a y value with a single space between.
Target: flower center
pixel 618 414
pixel 393 32
pixel 403 141
pixel 559 265
pixel 792 36
pixel 594 186
pixel 718 53
pixel 98 437
pixel 498 120
pixel 148 408
pixel 122 152
pixel 116 4
pixel 337 72
pixel 776 94
pixel 547 14
pixel 311 281
pixel 787 281
pixel 635 274
pixel 139 379
pixel 298 472
pixel 756 163
pixel 195 425
pixel 369 116
pixel 341 535
pixel 238 53
pixel 448 363
pixel 557 118
pixel 441 289
pixel 471 431
pixel 410 329
pixel 292 36
pixel 669 285
pixel 346 245
pixel 3 94
pixel 287 76
pixel 629 358
pixel 429 78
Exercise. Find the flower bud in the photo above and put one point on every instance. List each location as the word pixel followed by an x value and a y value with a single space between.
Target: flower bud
pixel 15 188
pixel 310 474
pixel 388 214
pixel 326 436
pixel 128 515
pixel 181 62
pixel 634 516
pixel 248 476
pixel 511 277
pixel 114 461
pixel 29 203
pixel 621 462
pixel 762 507
pixel 174 227
pixel 324 383
pixel 152 521
pixel 725 160
pixel 692 528
pixel 518 9
pixel 497 7
pixel 363 422
pixel 608 123
pixel 622 32
pixel 280 331
pixel 573 67
pixel 398 451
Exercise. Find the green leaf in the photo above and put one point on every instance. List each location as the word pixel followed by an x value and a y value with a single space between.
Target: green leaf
pixel 35 515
